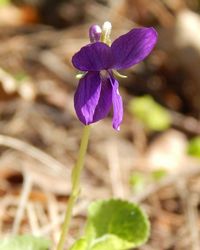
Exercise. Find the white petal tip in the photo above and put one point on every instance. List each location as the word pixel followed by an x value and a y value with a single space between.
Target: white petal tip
pixel 107 25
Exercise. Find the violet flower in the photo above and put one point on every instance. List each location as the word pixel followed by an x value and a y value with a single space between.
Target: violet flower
pixel 97 91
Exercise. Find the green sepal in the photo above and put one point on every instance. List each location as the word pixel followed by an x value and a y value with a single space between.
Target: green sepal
pixel 117 74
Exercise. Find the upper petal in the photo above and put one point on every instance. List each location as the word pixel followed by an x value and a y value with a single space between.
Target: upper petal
pixel 117 104
pixel 87 97
pixel 133 47
pixel 93 57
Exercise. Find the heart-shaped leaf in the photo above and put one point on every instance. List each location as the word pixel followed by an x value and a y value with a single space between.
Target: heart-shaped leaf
pixel 114 225
pixel 80 244
pixel 117 225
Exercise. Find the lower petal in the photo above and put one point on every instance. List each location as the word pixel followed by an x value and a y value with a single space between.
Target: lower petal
pixel 117 104
pixel 105 101
pixel 87 97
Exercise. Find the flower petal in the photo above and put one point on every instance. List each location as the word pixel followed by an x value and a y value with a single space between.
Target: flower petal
pixel 93 57
pixel 117 104
pixel 133 47
pixel 87 97
pixel 105 101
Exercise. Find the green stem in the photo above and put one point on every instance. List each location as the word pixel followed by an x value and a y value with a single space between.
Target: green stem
pixel 76 172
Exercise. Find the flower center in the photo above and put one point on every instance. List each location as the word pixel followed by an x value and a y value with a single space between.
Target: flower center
pixel 104 74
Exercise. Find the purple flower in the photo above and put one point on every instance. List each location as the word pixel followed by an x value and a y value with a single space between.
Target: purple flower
pixel 97 91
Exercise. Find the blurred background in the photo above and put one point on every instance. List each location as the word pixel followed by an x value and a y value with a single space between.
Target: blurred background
pixel 154 160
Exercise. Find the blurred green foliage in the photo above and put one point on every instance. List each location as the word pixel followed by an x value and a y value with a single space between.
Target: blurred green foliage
pixel 24 242
pixel 153 116
pixel 4 3
pixel 194 147
pixel 20 77
pixel 137 181
pixel 158 174
pixel 140 180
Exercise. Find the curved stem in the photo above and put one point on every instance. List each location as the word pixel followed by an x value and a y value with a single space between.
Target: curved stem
pixel 76 172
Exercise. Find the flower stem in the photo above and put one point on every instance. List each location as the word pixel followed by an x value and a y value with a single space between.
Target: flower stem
pixel 75 178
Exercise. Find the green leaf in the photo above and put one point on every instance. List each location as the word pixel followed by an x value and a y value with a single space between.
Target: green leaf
pixel 24 242
pixel 154 116
pixel 116 225
pixel 194 147
pixel 80 244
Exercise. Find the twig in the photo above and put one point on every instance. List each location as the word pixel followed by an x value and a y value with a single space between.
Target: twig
pixel 192 171
pixel 53 63
pixel 35 153
pixel 41 215
pixel 51 226
pixel 190 203
pixel 115 171
pixel 192 215
pixel 186 123
pixel 33 220
pixel 27 185
pixel 53 215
